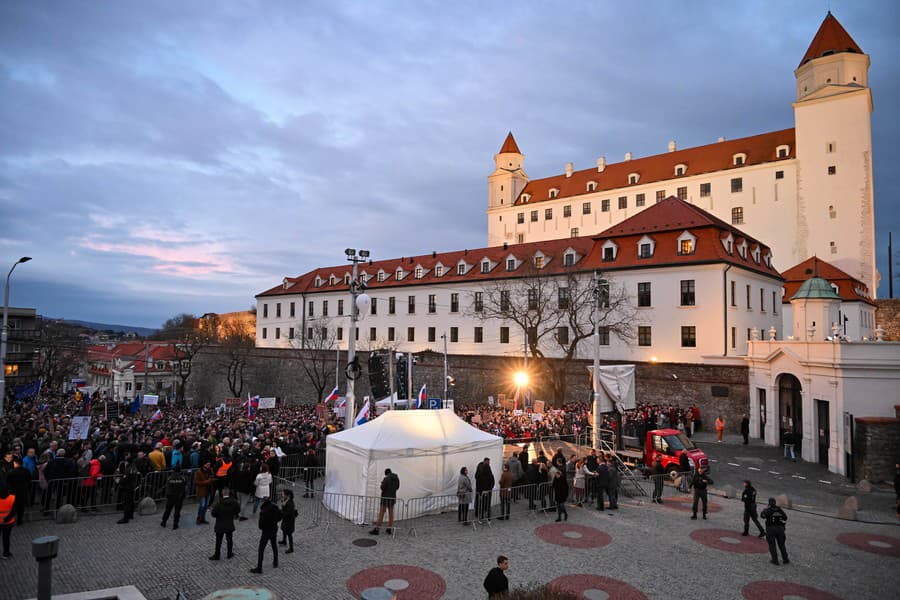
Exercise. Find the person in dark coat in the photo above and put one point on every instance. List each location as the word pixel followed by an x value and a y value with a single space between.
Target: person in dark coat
pixel 745 429
pixel 484 483
pixel 699 482
pixel 496 584
pixel 176 489
pixel 224 511
pixel 128 479
pixel 533 481
pixel 602 483
pixel 684 469
pixel 269 516
pixel 288 517
pixel 657 473
pixel 614 480
pixel 389 486
pixel 19 482
pixel 775 521
pixel 748 497
pixel 310 471
pixel 561 494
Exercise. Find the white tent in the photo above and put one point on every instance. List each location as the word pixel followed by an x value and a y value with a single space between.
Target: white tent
pixel 425 448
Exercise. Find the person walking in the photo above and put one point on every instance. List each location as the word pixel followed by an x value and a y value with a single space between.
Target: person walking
pixel 496 584
pixel 684 468
pixel 720 428
pixel 657 473
pixel 288 518
pixel 775 521
pixel 561 494
pixel 614 480
pixel 464 494
pixel 506 483
pixel 7 520
pixel 788 439
pixel 389 486
pixel 484 483
pixel 269 516
pixel 203 484
pixel 745 429
pixel 748 497
pixel 224 510
pixel 176 489
pixel 242 487
pixel 700 482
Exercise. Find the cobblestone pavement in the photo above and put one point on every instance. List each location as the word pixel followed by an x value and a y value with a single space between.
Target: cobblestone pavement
pixel 650 549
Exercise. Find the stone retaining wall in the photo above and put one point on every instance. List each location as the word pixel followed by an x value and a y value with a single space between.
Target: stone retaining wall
pixel 888 318
pixel 876 448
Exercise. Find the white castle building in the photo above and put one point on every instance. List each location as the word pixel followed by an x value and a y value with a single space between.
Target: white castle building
pixel 805 191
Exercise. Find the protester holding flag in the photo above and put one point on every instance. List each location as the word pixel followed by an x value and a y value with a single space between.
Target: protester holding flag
pixel 422 399
pixel 363 416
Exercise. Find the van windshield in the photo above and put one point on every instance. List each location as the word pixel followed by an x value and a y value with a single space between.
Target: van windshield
pixel 679 442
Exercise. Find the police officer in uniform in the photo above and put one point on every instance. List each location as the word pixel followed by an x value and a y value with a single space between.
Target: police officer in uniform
pixel 775 520
pixel 699 482
pixel 176 488
pixel 748 497
pixel 128 477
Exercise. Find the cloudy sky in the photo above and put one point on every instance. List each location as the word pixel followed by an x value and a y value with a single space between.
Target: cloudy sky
pixel 165 157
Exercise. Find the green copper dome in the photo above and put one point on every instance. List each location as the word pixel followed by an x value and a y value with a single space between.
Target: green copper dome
pixel 816 287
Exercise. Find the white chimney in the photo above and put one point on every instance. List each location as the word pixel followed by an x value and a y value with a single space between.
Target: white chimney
pixel 721 139
pixel 569 167
pixel 601 164
pixel 628 156
pixel 672 146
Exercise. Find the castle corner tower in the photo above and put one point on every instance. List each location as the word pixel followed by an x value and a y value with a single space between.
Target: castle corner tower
pixel 504 186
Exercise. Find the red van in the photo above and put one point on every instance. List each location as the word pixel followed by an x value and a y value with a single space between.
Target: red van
pixel 669 444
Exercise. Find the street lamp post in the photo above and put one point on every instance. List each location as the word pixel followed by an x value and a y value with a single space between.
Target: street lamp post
pixel 4 332
pixel 353 369
pixel 595 442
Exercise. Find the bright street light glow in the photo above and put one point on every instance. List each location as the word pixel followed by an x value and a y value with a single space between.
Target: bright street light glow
pixel 521 378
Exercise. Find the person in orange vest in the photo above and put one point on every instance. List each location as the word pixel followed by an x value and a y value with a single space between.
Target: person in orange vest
pixel 720 427
pixel 223 466
pixel 7 520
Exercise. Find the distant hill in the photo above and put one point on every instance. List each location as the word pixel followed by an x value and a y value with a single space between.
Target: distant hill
pixel 141 331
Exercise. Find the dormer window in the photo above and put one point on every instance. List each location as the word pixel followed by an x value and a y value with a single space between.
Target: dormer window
pixel 742 249
pixel 461 269
pixel 381 276
pixel 646 247
pixel 318 281
pixel 728 244
pixel 539 262
pixel 591 186
pixel 769 260
pixel 610 250
pixel 756 255
pixel 439 271
pixel 633 178
pixel 680 170
pixel 783 151
pixel 510 264
pixel 554 193
pixel 285 283
pixel 364 277
pixel 485 266
pixel 420 272
pixel 686 243
pixel 739 160
pixel 332 280
pixel 347 279
pixel 526 198
pixel 398 274
pixel 568 259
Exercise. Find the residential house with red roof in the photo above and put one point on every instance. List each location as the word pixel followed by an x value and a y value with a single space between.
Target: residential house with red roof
pixel 806 190
pixel 122 371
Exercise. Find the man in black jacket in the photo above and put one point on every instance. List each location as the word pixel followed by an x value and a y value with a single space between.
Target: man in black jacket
pixel 748 497
pixel 310 471
pixel 484 483
pixel 602 483
pixel 19 481
pixel 269 516
pixel 745 429
pixel 389 486
pixel 127 478
pixel 700 482
pixel 775 521
pixel 496 584
pixel 176 488
pixel 224 511
pixel 657 473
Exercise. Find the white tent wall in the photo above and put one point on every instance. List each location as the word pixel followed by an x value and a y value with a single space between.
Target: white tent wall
pixel 425 448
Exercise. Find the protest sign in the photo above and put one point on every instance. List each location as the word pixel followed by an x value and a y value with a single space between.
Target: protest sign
pixel 151 400
pixel 80 428
pixel 267 403
pixel 232 402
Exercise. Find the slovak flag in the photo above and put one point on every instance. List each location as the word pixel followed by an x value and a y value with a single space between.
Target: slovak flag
pixel 333 395
pixel 252 405
pixel 422 399
pixel 363 415
pixel 157 415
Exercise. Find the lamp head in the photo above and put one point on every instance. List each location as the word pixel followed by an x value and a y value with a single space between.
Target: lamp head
pixel 364 253
pixel 520 378
pixel 24 259
pixel 350 252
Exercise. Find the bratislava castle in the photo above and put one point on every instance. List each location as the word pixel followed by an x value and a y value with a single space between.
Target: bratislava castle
pixel 804 191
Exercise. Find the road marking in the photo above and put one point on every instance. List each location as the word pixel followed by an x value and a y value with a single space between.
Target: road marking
pixel 774 472
pixel 798 476
pixel 713 460
pixel 734 464
pixel 753 468
pixel 823 481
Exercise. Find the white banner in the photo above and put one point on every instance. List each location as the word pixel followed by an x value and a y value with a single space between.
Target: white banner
pixel 151 400
pixel 267 403
pixel 80 428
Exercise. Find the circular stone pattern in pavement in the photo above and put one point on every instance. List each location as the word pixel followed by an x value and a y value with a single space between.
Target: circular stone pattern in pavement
pixel 730 541
pixel 780 590
pixel 572 536
pixel 364 542
pixel 876 544
pixel 686 504
pixel 409 583
pixel 596 587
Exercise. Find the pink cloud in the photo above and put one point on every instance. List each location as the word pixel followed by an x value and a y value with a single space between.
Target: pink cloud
pixel 181 261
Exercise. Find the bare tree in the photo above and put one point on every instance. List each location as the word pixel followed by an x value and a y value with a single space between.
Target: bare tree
pixel 315 355
pixel 187 336
pixel 237 344
pixel 556 314
pixel 60 353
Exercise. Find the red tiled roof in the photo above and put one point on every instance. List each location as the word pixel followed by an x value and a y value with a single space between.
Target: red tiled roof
pixel 710 158
pixel 509 145
pixel 849 288
pixel 664 221
pixel 831 38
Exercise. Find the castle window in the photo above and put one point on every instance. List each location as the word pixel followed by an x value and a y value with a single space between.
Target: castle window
pixel 347 279
pixel 398 275
pixel 737 185
pixel 461 269
pixel 419 272
pixel 737 215
pixel 439 271
pixel 830 147
pixel 639 199
pixel 586 208
pixel 554 193
pixel 738 160
pixel 685 247
pixel 832 169
pixel 526 198
pixel 381 276
pixel 485 267
pixel 510 264
pixel 591 186
pixel 573 232
pixel 782 151
pixel 660 195
pixel 520 238
pixel 332 280
pixel 604 205
pixel 520 218
pixel 833 246
pixel 548 214
pixel 705 190
pixel 534 216
pixel 680 170
pixel 568 259
pixel 645 250
pixel 539 262
pixel 623 202
pixel 567 210
pixel 832 213
pixel 779 174
pixel 633 178
pixel 682 193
